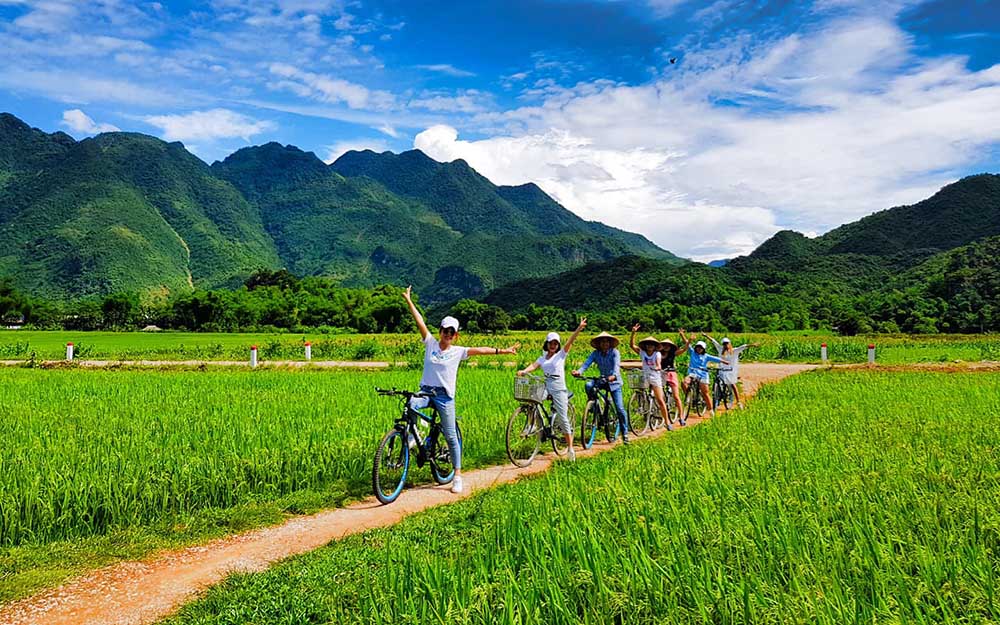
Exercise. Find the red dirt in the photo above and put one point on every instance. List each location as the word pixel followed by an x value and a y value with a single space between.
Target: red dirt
pixel 133 593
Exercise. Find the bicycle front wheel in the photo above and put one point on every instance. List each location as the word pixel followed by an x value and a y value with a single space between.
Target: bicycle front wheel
pixel 589 423
pixel 727 396
pixel 442 464
pixel 611 426
pixel 524 435
pixel 392 463
pixel 638 413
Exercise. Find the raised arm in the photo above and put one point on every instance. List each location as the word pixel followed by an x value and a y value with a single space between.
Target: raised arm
pixel 408 296
pixel 576 333
pixel 682 349
pixel 718 347
pixel 631 340
pixel 491 351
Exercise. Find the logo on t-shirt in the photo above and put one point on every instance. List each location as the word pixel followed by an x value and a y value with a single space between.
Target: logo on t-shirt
pixel 439 357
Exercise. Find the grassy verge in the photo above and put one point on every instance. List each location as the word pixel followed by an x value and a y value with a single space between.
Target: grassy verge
pixel 838 497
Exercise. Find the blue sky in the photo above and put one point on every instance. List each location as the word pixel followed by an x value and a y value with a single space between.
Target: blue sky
pixel 776 114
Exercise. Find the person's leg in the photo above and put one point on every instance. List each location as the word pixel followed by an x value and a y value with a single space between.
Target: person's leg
pixel 446 411
pixel 706 394
pixel 736 395
pixel 560 421
pixel 616 396
pixel 589 388
pixel 661 400
pixel 417 403
pixel 675 389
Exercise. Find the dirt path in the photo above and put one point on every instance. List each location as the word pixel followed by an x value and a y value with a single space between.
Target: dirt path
pixel 132 593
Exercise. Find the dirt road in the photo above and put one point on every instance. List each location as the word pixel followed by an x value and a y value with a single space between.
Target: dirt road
pixel 133 593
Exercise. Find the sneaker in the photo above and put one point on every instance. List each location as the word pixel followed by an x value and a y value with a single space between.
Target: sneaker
pixel 741 406
pixel 624 440
pixel 713 413
pixel 670 428
pixel 571 454
pixel 456 484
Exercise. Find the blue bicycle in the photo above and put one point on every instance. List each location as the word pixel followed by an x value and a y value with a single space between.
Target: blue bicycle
pixel 392 458
pixel 599 414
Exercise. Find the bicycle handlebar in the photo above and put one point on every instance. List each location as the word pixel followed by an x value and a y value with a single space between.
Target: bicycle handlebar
pixel 390 392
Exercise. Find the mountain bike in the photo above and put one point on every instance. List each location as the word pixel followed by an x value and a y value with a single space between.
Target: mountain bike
pixel 599 413
pixel 722 393
pixel 531 424
pixel 643 411
pixel 393 455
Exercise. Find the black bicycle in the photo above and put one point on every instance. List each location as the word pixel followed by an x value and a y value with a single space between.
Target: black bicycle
pixel 531 424
pixel 722 393
pixel 392 458
pixel 599 413
pixel 693 401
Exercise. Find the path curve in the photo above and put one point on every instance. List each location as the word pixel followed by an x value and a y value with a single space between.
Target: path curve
pixel 135 593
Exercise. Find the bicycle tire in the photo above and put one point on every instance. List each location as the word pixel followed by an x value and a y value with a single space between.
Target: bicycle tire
pixel 442 468
pixel 611 426
pixel 391 466
pixel 589 423
pixel 638 413
pixel 524 435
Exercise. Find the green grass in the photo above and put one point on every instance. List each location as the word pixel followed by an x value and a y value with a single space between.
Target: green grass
pixel 97 465
pixel 838 497
pixel 786 346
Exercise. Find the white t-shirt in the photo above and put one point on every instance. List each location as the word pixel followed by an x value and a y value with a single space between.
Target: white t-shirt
pixel 554 369
pixel 441 367
pixel 651 365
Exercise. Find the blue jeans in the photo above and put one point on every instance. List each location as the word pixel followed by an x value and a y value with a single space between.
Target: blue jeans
pixel 445 407
pixel 616 396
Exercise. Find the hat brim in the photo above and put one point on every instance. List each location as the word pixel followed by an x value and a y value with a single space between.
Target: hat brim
pixel 649 340
pixel 667 343
pixel 594 341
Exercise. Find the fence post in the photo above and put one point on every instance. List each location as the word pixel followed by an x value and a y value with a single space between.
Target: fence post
pixel 871 353
pixel 822 353
pixel 69 352
pixel 309 351
pixel 253 356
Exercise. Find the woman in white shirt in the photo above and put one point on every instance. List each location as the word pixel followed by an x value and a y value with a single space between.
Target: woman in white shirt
pixel 441 360
pixel 553 365
pixel 652 370
pixel 730 373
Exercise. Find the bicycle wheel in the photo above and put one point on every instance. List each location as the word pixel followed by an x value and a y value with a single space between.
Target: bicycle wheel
pixel 638 413
pixel 392 463
pixel 717 393
pixel 727 396
pixel 589 423
pixel 442 467
pixel 611 426
pixel 524 435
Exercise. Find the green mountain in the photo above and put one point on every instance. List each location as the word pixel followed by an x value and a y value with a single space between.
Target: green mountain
pixel 128 212
pixel 940 254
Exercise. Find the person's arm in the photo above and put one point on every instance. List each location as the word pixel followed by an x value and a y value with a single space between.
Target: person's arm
pixel 742 348
pixel 408 296
pixel 716 344
pixel 631 341
pixel 658 361
pixel 616 364
pixel 682 349
pixel 576 333
pixel 711 358
pixel 491 351
pixel 528 369
pixel 586 364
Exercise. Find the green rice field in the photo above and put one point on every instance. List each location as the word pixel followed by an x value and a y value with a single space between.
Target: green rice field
pixel 837 497
pixel 788 347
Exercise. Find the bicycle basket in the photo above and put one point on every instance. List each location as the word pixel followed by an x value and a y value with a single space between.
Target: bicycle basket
pixel 530 389
pixel 636 379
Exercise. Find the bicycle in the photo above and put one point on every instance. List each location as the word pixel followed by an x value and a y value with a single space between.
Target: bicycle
pixel 643 411
pixel 595 415
pixel 392 457
pixel 722 393
pixel 531 424
pixel 693 401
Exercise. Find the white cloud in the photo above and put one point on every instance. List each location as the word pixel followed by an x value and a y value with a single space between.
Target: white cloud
pixel 78 121
pixel 208 125
pixel 77 88
pixel 327 88
pixel 447 68
pixel 338 149
pixel 468 101
pixel 808 131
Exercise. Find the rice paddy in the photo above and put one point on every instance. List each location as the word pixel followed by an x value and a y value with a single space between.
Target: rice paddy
pixel 838 497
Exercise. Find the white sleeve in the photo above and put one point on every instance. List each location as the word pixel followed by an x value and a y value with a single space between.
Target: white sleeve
pixel 540 361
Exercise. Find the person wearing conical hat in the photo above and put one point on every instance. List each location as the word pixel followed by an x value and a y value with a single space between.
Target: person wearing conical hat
pixel 669 351
pixel 648 350
pixel 553 365
pixel 608 361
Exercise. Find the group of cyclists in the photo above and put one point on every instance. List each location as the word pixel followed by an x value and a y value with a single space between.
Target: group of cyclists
pixel 442 358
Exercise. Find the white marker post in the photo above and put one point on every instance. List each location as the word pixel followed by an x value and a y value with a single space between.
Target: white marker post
pixel 871 353
pixel 822 353
pixel 69 352
pixel 253 356
pixel 309 351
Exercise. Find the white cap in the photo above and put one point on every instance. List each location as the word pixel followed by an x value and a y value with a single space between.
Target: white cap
pixel 450 322
pixel 701 344
pixel 726 340
pixel 553 336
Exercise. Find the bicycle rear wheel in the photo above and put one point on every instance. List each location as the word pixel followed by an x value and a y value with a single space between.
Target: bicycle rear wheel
pixel 524 435
pixel 588 427
pixel 442 465
pixel 638 413
pixel 392 463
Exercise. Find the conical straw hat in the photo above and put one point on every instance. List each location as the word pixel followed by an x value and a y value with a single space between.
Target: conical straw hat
pixel 667 343
pixel 604 335
pixel 650 339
